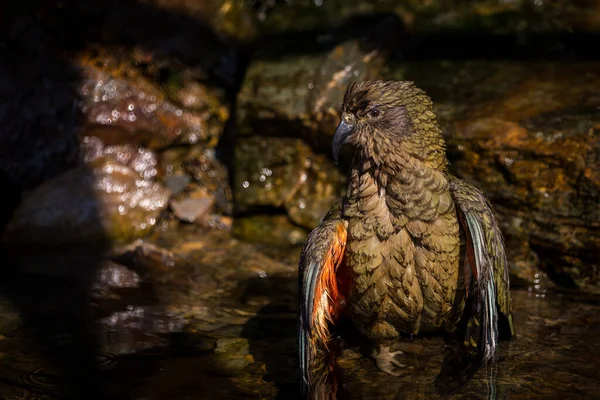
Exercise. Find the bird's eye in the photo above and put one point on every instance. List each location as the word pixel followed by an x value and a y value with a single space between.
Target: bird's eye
pixel 374 113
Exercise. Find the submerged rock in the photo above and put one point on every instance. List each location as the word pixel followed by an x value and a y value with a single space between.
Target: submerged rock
pixel 285 173
pixel 104 203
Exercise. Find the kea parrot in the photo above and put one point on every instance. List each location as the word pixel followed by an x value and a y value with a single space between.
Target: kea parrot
pixel 409 248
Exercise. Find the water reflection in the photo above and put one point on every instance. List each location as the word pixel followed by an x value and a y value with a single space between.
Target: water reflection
pixel 239 339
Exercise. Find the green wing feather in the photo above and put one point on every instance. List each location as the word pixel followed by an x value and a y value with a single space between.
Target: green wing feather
pixel 486 268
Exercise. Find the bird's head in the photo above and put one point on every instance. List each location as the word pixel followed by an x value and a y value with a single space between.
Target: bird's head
pixel 379 117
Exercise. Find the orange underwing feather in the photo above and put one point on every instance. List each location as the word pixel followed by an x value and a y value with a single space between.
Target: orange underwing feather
pixel 322 289
pixel 328 296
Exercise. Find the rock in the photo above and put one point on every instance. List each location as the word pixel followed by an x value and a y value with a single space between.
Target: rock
pixel 529 134
pixel 299 94
pixel 115 94
pixel 214 282
pixel 171 163
pixel 507 17
pixel 285 173
pixel 177 183
pixel 141 160
pixel 191 209
pixel 138 328
pixel 185 89
pixel 107 202
pixel 211 177
pixel 169 274
pixel 274 230
pixel 111 275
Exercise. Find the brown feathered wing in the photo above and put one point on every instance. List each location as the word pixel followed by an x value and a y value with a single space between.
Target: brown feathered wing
pixel 485 269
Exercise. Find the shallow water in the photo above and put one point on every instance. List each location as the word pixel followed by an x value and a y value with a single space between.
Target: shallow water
pixel 216 318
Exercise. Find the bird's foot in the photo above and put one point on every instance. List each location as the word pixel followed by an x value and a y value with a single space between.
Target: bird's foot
pixel 386 360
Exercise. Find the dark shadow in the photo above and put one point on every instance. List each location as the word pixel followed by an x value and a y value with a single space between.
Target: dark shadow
pixel 463 44
pixel 272 333
pixel 41 121
pixel 50 287
pixel 272 336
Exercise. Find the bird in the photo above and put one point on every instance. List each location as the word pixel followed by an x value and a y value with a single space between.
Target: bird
pixel 409 249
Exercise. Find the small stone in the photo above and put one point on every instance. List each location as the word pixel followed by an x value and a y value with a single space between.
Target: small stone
pixel 190 210
pixel 176 183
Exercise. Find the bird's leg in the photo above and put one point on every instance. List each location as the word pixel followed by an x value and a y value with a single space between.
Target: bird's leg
pixel 386 358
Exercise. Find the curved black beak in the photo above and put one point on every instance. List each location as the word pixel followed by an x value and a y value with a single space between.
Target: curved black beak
pixel 341 134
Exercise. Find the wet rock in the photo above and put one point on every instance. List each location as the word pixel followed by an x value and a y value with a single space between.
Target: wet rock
pixel 199 181
pixel 171 163
pixel 548 193
pixel 183 88
pixel 110 278
pixel 172 275
pixel 115 94
pixel 285 173
pixel 138 328
pixel 147 257
pixel 274 230
pixel 211 176
pixel 115 276
pixel 529 135
pixel 299 94
pixel 105 203
pixel 139 159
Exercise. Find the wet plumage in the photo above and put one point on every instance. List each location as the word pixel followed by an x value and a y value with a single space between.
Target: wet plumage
pixel 390 253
